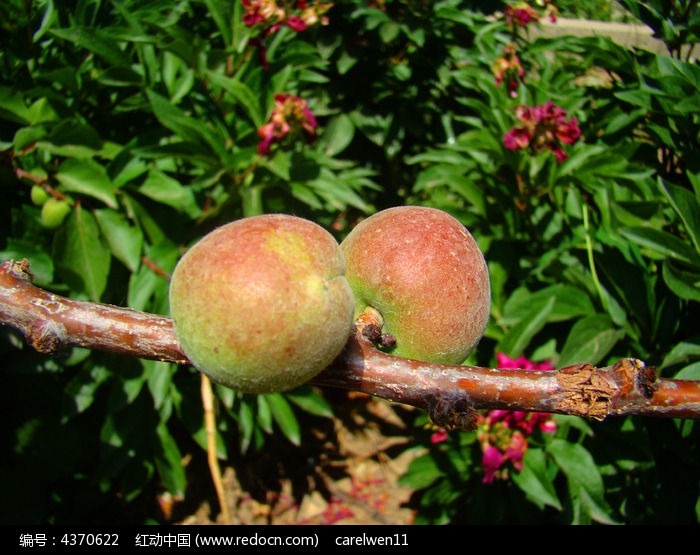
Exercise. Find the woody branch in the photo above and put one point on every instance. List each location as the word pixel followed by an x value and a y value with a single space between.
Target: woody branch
pixel 450 394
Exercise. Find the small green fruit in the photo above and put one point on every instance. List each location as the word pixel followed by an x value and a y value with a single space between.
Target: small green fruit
pixel 424 273
pixel 39 195
pixel 262 304
pixel 53 212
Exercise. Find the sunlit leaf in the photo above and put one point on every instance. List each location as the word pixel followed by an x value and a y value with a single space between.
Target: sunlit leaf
pixel 87 177
pixel 535 481
pixel 284 417
pixel 590 339
pixel 82 254
pixel 168 461
pixel 125 240
pixel 520 335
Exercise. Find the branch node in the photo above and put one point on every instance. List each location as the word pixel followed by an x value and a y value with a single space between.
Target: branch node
pixel 372 332
pixel 387 341
pixel 46 337
pixel 633 376
pixel 452 411
pixel 19 269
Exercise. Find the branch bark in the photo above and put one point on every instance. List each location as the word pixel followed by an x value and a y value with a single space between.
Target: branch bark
pixel 450 394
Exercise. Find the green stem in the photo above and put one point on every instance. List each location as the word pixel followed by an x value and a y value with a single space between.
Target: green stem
pixel 252 200
pixel 591 260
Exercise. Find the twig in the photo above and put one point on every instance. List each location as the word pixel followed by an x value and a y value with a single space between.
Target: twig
pixel 213 460
pixel 450 394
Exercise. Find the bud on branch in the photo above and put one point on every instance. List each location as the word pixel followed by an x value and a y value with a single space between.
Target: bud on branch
pixel 449 394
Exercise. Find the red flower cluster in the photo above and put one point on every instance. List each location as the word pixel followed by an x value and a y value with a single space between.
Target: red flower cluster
pixel 520 14
pixel 298 15
pixel 275 16
pixel 543 126
pixel 503 434
pixel 508 68
pixel 290 116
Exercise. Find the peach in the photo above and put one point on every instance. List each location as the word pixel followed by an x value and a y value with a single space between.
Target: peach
pixel 262 304
pixel 425 275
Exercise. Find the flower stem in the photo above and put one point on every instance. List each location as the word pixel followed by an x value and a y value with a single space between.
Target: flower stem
pixel 591 260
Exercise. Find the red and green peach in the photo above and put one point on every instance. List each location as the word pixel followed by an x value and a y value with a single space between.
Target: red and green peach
pixel 262 304
pixel 426 277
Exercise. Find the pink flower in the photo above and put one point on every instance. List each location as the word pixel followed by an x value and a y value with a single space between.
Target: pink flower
pixel 290 116
pixel 439 436
pixel 491 460
pixel 520 14
pixel 504 361
pixel 296 23
pixel 541 127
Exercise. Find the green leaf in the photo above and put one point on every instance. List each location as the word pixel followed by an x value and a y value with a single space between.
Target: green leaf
pixel 583 474
pixel 337 135
pixel 284 417
pixel 636 98
pixel 87 177
pixel 694 179
pixel 40 262
pixel 664 243
pixel 246 422
pixel 307 196
pixel 683 351
pixel 689 105
pixel 124 240
pixel 241 93
pixel 686 205
pixel 84 258
pixel 222 19
pixel 422 472
pixel 94 41
pixel 590 339
pixel 159 380
pixel 309 400
pixel 578 159
pixel 168 461
pixel 454 178
pixel 570 302
pixel 12 106
pixel 684 284
pixel 690 372
pixel 164 189
pixel 80 392
pixel 126 390
pixel 520 335
pixel 264 418
pixel 72 139
pixel 336 192
pixel 42 112
pixel 534 480
pixel 147 289
pixel 147 221
pixel 26 136
pixel 187 127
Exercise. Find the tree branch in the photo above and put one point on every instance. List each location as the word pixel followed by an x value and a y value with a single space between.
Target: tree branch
pixel 449 394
